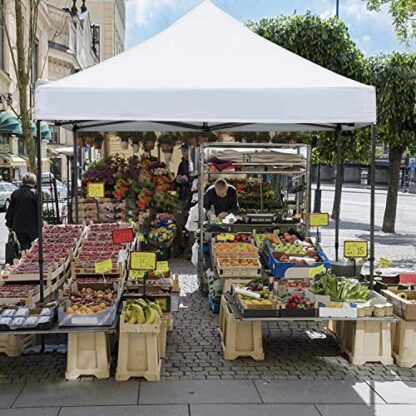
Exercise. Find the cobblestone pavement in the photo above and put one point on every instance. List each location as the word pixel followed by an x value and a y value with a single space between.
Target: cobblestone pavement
pixel 294 351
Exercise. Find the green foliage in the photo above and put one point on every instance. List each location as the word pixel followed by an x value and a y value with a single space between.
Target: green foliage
pixel 403 13
pixel 394 77
pixel 327 43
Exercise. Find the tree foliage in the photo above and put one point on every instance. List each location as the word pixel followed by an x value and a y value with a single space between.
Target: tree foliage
pixel 403 13
pixel 327 43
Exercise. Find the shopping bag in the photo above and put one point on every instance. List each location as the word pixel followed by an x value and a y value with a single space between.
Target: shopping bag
pixel 194 258
pixel 12 248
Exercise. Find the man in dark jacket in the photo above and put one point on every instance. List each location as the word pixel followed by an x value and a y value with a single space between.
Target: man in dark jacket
pixel 22 215
pixel 223 198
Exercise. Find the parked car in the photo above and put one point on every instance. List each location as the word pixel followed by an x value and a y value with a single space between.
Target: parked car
pixel 61 189
pixel 6 190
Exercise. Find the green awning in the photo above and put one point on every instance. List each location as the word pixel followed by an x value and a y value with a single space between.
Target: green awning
pixel 9 124
pixel 45 133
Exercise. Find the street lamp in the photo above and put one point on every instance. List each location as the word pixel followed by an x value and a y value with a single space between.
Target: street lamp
pixel 337 8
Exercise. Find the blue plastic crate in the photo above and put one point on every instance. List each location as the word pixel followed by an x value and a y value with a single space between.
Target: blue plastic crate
pixel 278 268
pixel 214 307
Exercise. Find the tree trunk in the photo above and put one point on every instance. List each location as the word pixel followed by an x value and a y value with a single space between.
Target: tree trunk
pixel 23 84
pixel 338 191
pixel 395 158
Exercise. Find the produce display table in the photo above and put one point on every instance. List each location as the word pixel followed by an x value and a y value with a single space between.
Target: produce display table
pixel 362 339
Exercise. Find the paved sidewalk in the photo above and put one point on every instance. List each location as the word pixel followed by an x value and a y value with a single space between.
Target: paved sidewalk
pixel 208 398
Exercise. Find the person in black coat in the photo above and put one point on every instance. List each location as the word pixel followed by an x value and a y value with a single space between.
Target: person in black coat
pixel 22 215
pixel 223 198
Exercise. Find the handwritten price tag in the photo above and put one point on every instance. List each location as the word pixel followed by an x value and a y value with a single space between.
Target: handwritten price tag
pixel 95 190
pixel 142 260
pixel 136 274
pixel 355 249
pixel 103 266
pixel 319 220
pixel 124 236
pixel 162 267
pixel 316 270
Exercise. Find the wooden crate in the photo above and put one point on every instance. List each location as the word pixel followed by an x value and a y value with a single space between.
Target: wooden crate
pixel 232 271
pixel 164 322
pixel 239 338
pixel 90 271
pixel 402 307
pixel 170 322
pixel 14 345
pixel 138 351
pixel 404 343
pixel 88 355
pixel 234 254
pixel 366 341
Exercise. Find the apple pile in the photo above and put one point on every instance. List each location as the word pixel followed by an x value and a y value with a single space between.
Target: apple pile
pixel 233 238
pixel 18 290
pixel 299 302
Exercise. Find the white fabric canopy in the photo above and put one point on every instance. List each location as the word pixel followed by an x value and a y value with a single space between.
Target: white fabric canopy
pixel 207 68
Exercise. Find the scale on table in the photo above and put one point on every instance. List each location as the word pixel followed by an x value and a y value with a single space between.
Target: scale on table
pixel 259 218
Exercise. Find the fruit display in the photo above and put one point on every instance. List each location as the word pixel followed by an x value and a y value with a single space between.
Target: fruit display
pixel 18 291
pixel 58 240
pixel 89 301
pixel 299 302
pixel 98 246
pixel 233 238
pixel 141 311
pixel 261 238
pixel 238 262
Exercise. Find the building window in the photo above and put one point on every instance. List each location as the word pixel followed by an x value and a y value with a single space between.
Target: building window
pixel 1 37
pixel 95 30
pixel 56 134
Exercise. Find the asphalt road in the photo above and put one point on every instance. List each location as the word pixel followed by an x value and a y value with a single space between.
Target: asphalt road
pixel 355 219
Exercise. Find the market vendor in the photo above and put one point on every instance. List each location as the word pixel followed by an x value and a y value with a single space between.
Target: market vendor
pixel 223 197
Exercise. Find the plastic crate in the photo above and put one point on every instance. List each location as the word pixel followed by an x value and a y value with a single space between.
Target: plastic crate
pixel 214 307
pixel 279 269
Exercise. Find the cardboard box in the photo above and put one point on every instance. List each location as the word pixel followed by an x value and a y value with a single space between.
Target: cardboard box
pixel 406 309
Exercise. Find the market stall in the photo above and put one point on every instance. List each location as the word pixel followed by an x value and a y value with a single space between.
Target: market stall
pixel 258 87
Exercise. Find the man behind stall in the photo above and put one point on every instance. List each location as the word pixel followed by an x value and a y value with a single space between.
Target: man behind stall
pixel 223 197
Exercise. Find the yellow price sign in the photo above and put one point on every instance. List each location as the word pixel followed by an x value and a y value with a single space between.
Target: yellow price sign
pixel 355 249
pixel 316 270
pixel 103 266
pixel 136 274
pixel 142 260
pixel 162 267
pixel 319 220
pixel 95 190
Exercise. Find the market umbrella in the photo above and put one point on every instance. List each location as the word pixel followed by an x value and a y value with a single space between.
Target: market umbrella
pixel 45 133
pixel 9 124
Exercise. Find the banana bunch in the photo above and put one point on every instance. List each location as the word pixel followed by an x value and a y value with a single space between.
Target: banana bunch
pixel 140 311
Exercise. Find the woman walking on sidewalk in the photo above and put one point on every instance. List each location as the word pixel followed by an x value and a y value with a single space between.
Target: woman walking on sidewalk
pixel 22 215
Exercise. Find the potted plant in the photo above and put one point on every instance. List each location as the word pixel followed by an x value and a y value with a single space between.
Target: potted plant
pixel 166 143
pixel 206 137
pixel 148 140
pixel 85 138
pixel 125 136
pixel 98 141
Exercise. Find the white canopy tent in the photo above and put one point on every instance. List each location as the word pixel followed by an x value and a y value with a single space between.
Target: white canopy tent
pixel 206 72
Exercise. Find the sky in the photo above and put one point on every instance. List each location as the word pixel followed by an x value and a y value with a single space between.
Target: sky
pixel 373 32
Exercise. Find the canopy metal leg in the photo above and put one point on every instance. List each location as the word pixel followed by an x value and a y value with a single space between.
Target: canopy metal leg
pixel 40 216
pixel 75 174
pixel 373 201
pixel 337 184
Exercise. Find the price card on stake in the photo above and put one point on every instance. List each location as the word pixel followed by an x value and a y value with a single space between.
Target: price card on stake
pixel 136 274
pixel 103 266
pixel 142 260
pixel 355 249
pixel 162 267
pixel 316 270
pixel 123 236
pixel 95 190
pixel 319 220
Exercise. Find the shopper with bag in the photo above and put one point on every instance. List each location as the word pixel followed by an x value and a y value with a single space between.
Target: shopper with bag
pixel 22 215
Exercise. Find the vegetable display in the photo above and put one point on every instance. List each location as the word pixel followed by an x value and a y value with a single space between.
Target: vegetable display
pixel 340 289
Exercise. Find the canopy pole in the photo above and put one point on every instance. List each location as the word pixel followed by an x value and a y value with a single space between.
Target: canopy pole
pixel 75 173
pixel 201 215
pixel 39 201
pixel 337 184
pixel 68 199
pixel 373 200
